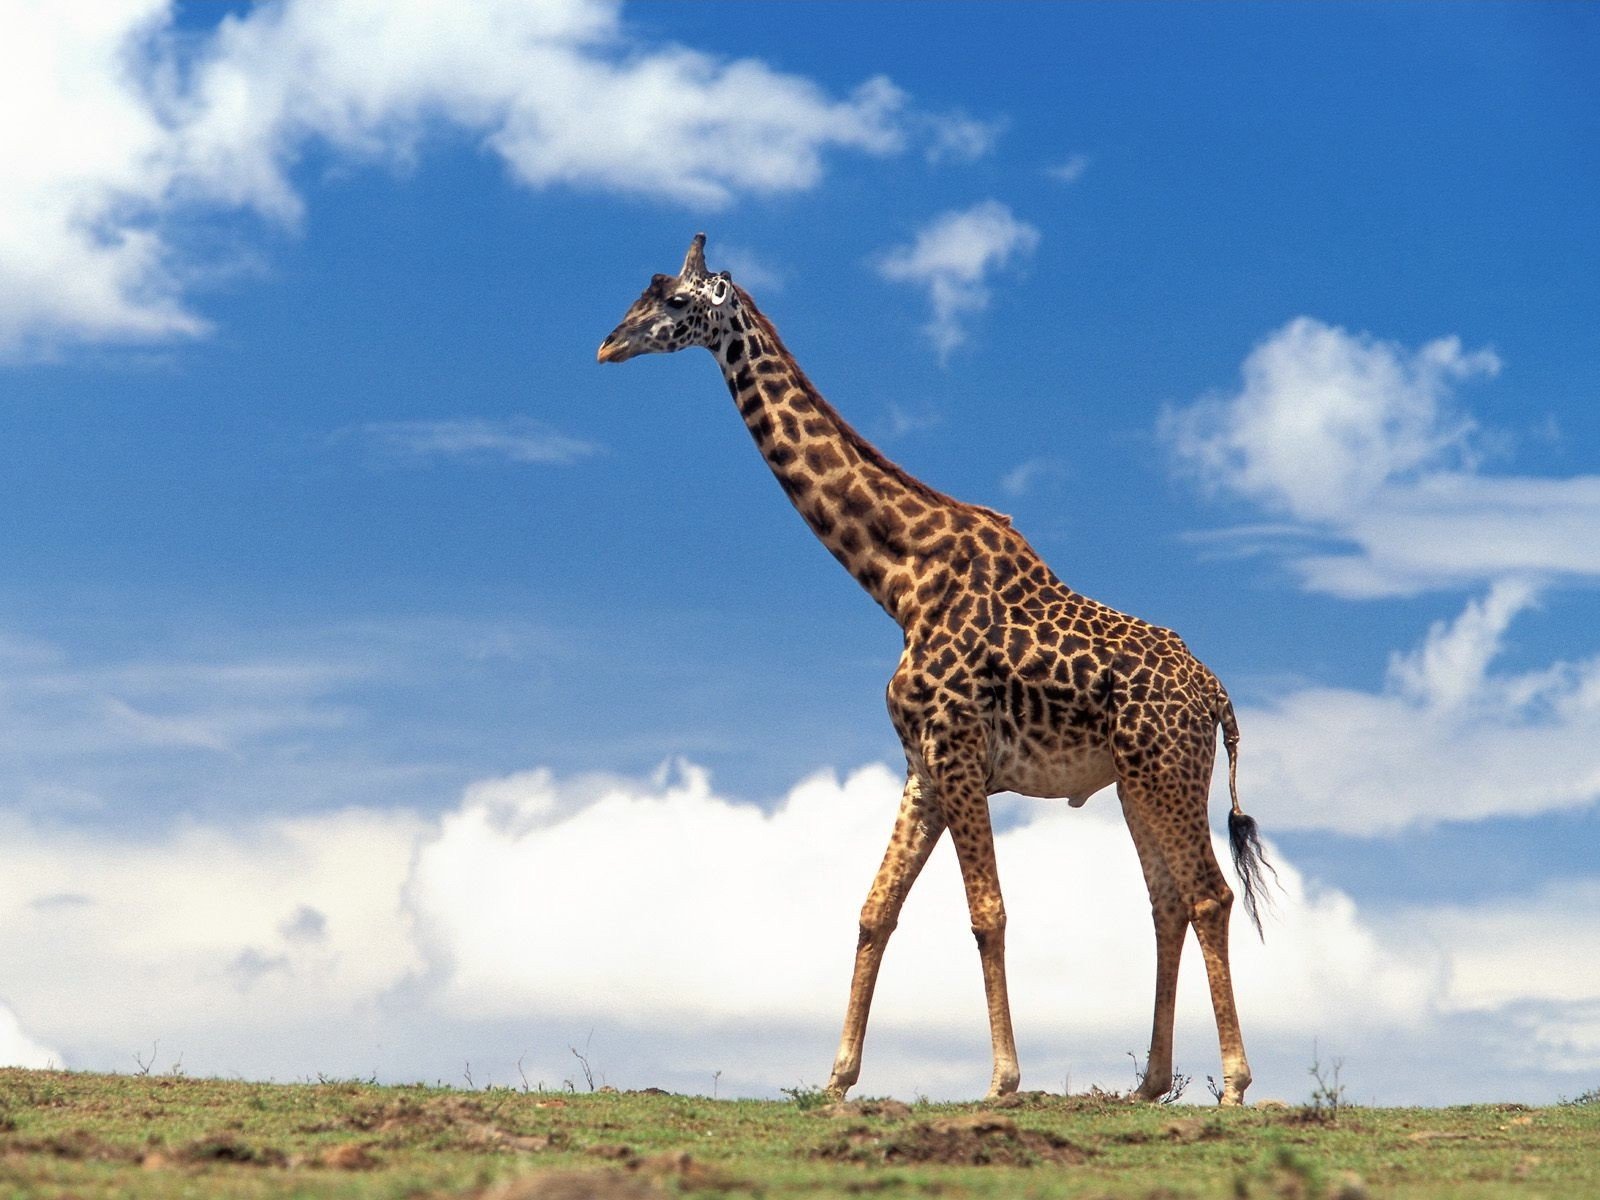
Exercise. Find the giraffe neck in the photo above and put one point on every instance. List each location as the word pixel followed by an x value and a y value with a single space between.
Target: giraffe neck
pixel 873 516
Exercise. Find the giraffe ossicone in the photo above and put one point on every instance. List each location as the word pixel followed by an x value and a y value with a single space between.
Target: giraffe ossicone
pixel 1009 681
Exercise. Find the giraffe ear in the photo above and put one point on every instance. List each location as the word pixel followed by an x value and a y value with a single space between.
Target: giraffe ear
pixel 720 287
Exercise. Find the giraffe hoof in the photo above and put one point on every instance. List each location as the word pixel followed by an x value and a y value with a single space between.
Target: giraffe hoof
pixel 1003 1085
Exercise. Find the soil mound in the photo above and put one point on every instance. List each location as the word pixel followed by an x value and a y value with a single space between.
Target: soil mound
pixel 979 1140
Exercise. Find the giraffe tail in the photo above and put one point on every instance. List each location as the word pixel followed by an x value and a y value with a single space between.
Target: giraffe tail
pixel 1244 839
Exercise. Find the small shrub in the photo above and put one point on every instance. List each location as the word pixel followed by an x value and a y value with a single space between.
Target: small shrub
pixel 806 1097
pixel 1327 1098
pixel 1174 1092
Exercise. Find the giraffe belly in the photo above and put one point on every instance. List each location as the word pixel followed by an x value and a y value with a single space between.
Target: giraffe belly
pixel 1052 768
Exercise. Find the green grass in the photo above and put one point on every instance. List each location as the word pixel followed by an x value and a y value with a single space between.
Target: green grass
pixel 65 1134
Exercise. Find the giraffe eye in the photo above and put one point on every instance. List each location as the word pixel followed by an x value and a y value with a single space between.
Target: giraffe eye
pixel 678 301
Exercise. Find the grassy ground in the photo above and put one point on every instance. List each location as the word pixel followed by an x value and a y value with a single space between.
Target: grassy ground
pixel 64 1134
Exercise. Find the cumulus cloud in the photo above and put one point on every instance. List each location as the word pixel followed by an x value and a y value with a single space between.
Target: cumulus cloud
pixel 197 937
pixel 474 440
pixel 1447 738
pixel 952 258
pixel 1362 445
pixel 79 175
pixel 695 933
pixel 17 1049
pixel 133 129
pixel 729 910
pixel 1326 418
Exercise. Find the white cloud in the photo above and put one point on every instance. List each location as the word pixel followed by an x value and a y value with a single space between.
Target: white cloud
pixel 1022 478
pixel 189 938
pixel 133 129
pixel 749 269
pixel 695 934
pixel 1326 419
pixel 17 1049
pixel 1360 443
pixel 1448 670
pixel 314 717
pixel 1446 739
pixel 1455 529
pixel 952 258
pixel 78 175
pixel 958 138
pixel 1069 171
pixel 475 439
pixel 783 950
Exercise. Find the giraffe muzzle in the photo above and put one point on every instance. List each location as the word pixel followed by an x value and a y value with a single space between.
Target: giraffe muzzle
pixel 617 347
pixel 613 349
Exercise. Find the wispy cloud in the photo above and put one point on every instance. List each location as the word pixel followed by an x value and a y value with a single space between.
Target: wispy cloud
pixel 959 138
pixel 903 421
pixel 475 440
pixel 1069 171
pixel 1025 476
pixel 749 270
pixel 190 726
pixel 134 128
pixel 952 258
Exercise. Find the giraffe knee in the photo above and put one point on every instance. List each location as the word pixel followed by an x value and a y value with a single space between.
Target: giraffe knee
pixel 871 934
pixel 1209 909
pixel 878 921
pixel 989 930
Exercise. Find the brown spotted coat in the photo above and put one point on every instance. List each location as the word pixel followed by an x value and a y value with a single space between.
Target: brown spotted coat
pixel 1009 680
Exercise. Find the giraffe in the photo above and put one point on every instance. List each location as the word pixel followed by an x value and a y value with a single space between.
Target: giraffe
pixel 1008 681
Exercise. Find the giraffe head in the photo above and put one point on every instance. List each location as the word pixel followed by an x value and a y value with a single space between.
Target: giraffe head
pixel 691 308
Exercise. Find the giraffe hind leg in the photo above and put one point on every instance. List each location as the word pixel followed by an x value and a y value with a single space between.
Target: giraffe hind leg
pixel 1175 824
pixel 1171 919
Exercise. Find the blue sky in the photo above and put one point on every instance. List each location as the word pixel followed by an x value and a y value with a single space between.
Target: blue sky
pixel 1275 325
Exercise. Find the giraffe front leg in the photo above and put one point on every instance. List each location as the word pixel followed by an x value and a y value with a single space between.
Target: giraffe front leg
pixel 958 769
pixel 916 831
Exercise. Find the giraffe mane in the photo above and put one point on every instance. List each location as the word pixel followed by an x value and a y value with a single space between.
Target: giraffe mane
pixel 848 432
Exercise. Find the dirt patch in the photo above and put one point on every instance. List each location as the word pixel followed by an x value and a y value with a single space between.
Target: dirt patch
pixel 574 1185
pixel 448 1123
pixel 980 1140
pixel 347 1156
pixel 890 1110
pixel 1183 1131
pixel 226 1148
pixel 1094 1100
pixel 74 1144
pixel 690 1173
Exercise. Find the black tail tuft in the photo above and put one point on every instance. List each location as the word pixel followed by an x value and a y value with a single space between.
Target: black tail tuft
pixel 1249 861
